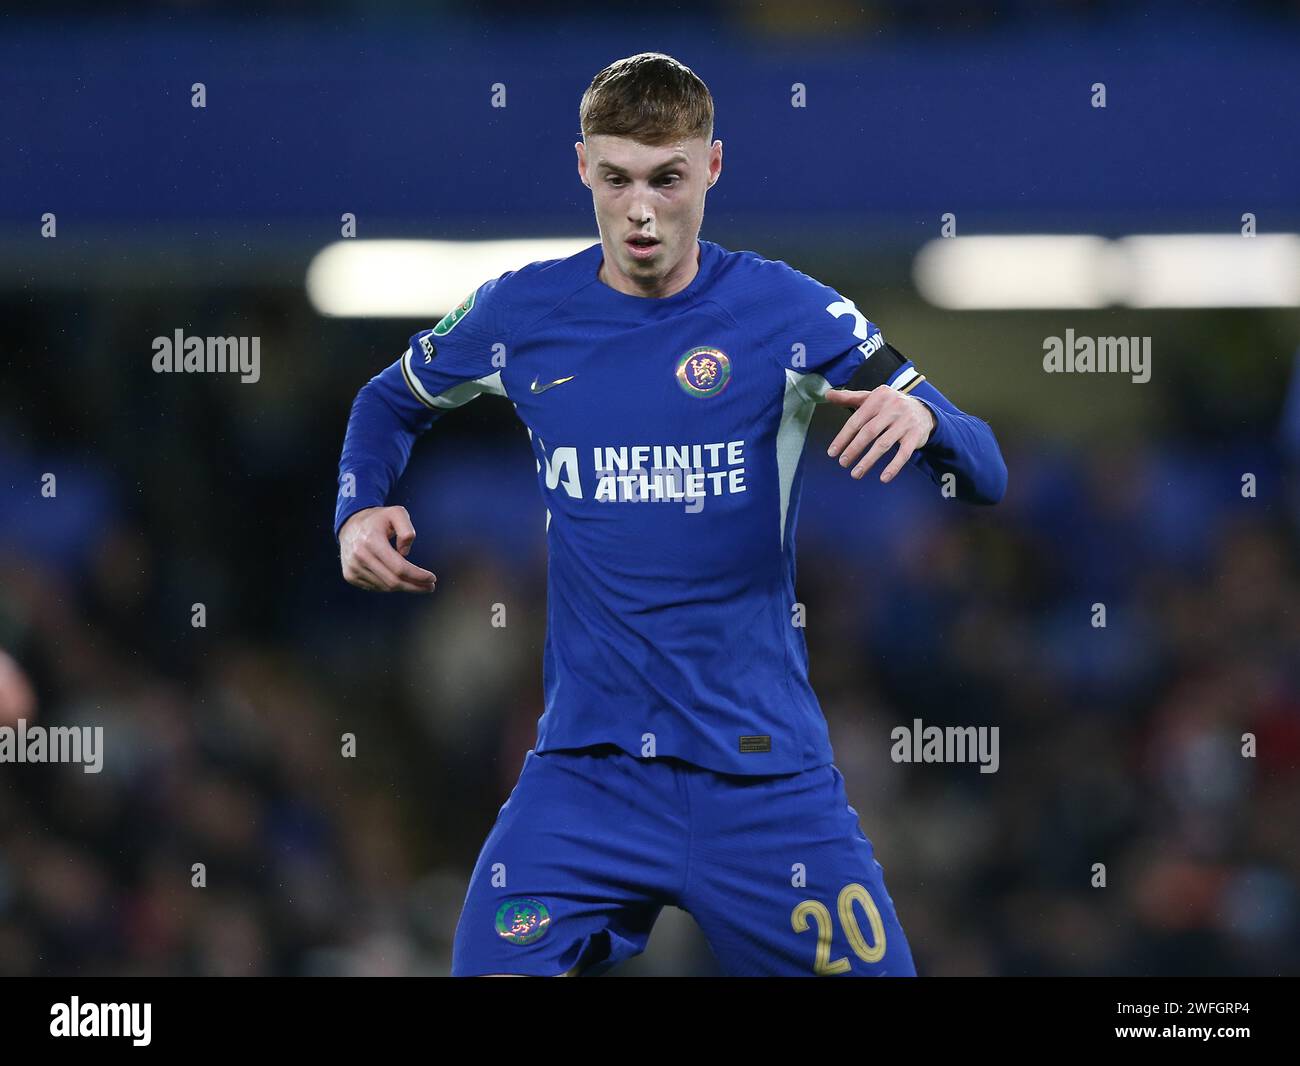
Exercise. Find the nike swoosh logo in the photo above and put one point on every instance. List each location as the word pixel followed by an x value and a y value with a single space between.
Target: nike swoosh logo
pixel 550 385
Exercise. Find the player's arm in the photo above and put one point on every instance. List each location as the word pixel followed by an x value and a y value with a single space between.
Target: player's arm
pixel 443 368
pixel 382 428
pixel 894 406
pixel 831 353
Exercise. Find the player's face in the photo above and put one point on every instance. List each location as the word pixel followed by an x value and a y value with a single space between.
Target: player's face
pixel 649 205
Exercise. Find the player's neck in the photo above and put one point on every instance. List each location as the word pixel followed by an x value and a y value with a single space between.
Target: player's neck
pixel 661 288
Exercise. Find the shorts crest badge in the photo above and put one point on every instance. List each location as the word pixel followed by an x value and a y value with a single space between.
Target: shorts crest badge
pixel 521 921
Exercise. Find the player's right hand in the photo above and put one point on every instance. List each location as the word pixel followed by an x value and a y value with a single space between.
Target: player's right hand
pixel 370 561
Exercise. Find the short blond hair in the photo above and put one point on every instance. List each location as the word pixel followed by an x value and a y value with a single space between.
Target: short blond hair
pixel 651 98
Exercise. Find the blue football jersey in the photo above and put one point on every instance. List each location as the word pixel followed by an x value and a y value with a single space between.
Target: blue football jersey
pixel 668 435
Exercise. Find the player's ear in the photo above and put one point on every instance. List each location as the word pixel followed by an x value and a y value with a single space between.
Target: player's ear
pixel 581 149
pixel 715 163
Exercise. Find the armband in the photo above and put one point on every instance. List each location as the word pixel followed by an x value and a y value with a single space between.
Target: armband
pixel 882 365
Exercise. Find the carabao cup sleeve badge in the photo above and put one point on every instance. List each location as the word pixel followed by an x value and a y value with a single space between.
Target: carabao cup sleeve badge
pixel 448 321
pixel 521 921
pixel 703 372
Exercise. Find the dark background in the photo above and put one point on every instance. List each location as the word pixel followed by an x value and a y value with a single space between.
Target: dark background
pixel 1119 745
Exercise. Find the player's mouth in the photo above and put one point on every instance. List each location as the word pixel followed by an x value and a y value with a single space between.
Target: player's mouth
pixel 640 246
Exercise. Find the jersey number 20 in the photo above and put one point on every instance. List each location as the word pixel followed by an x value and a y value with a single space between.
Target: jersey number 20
pixel 817 911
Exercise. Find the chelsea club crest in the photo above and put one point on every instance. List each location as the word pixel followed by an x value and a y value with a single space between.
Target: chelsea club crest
pixel 521 921
pixel 703 372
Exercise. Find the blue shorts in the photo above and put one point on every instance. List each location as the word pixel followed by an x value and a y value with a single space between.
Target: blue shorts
pixel 592 844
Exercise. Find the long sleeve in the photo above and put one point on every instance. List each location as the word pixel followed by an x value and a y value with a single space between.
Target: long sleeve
pixel 384 424
pixel 823 341
pixel 962 445
pixel 443 368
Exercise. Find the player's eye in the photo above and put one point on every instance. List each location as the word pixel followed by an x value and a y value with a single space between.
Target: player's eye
pixel 615 180
pixel 670 180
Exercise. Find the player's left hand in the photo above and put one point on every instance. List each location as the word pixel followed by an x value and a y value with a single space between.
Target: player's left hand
pixel 884 417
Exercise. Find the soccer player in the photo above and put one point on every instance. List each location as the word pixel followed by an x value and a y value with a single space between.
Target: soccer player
pixel 667 385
